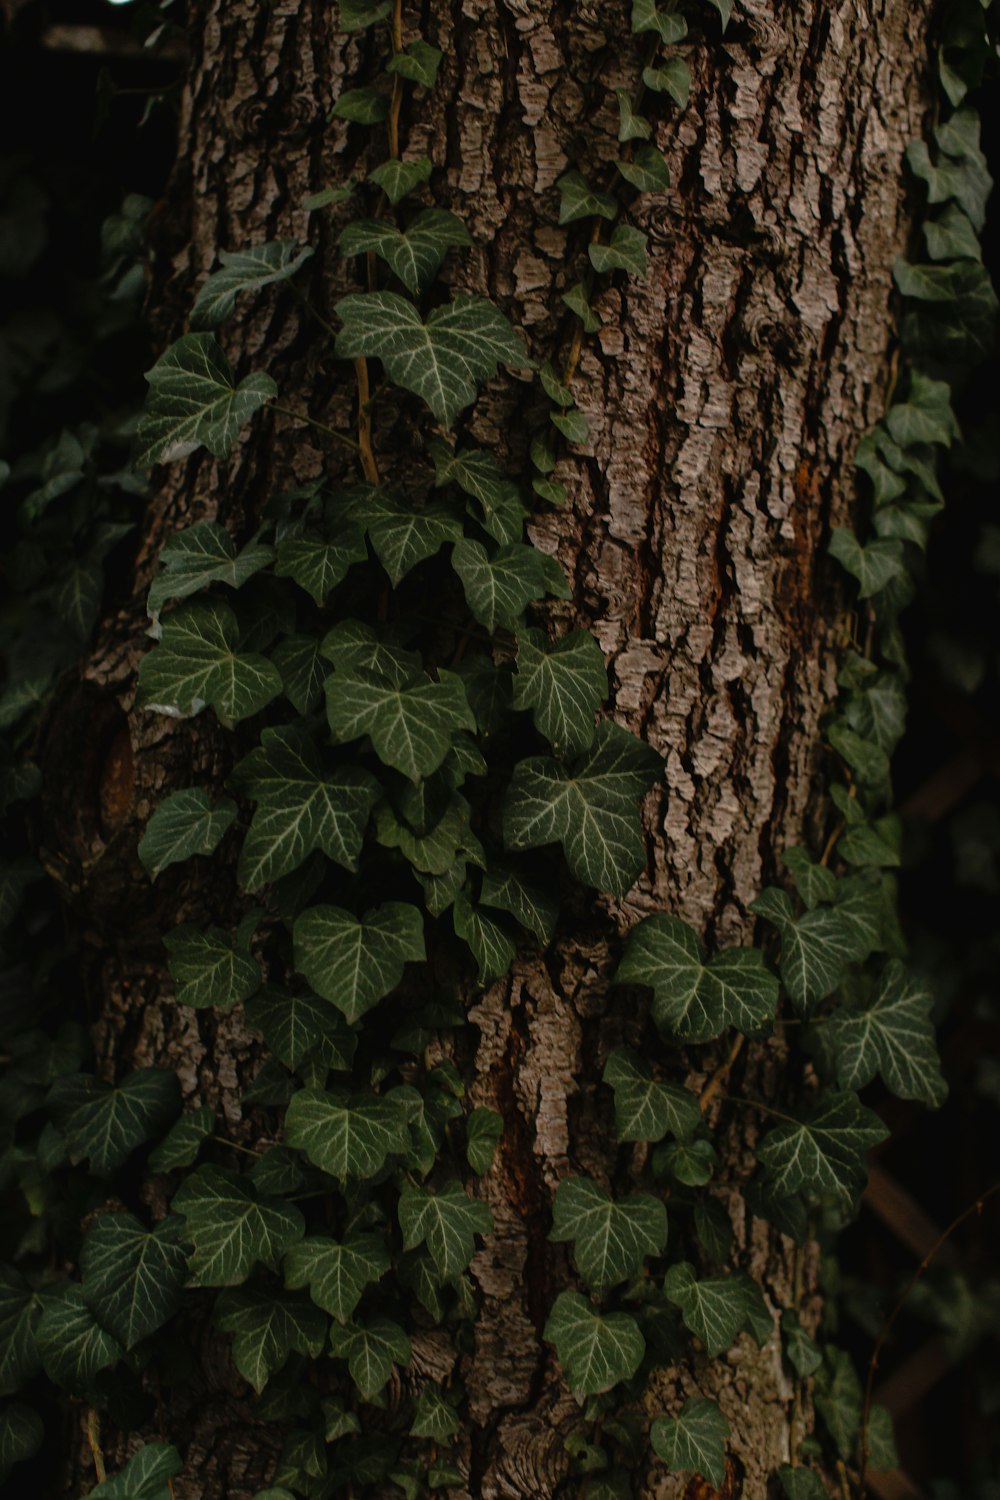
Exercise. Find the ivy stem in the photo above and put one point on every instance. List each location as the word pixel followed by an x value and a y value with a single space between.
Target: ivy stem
pixel 301 416
pixel 396 102
pixel 94 1442
pixel 365 423
pixel 721 1073
pixel 235 1146
pixel 887 1326
pixel 845 1488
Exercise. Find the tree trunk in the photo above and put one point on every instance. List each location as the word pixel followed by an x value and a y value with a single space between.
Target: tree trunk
pixel 725 395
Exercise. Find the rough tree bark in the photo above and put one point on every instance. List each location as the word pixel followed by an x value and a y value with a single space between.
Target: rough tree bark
pixel 724 394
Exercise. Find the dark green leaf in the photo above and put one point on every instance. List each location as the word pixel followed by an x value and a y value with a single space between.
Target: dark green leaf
pixel 596 1351
pixel 132 1277
pixel 184 824
pixel 353 963
pixel 194 402
pixel 268 1326
pixel 695 1440
pixel 233 1228
pixel 243 270
pixel 610 1240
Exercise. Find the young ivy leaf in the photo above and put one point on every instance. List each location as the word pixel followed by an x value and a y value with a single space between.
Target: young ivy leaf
pixel 646 1109
pixel 418 62
pixel 673 78
pixel 131 1276
pixel 354 962
pixel 576 300
pixel 668 26
pixel 874 565
pixel 631 126
pixel 626 252
pixel 347 1136
pixel 489 943
pixel 498 587
pixel 243 270
pixel 72 1345
pixel 695 1440
pixel 105 1124
pixel 202 554
pixel 816 948
pixel 198 664
pixel 445 360
pixel 718 1308
pixel 184 824
pixel 415 254
pixel 144 1477
pixel 483 1134
pixel 336 1271
pixel 577 200
pixel 183 1141
pixel 447 1222
pixel 801 1351
pixel 610 1240
pixel 364 106
pixel 891 1034
pixel 301 806
pixel 193 402
pixel 208 969
pixel 563 683
pixel 268 1326
pixel 590 807
pixel 597 1351
pixel 371 1350
pixel 477 473
pixel 434 1417
pixel 232 1227
pixel 694 1000
pixel 647 171
pixel 824 1154
pixel 412 727
pixel 399 178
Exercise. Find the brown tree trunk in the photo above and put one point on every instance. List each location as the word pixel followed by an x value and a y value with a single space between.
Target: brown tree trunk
pixel 725 395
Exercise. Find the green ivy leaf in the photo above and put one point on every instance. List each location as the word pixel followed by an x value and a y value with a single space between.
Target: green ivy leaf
pixel 268 1326
pixel 631 126
pixel 498 587
pixel 336 1271
pixel 183 1141
pixel 801 1351
pixel 71 1343
pixel 347 1136
pixel 365 106
pixel 355 647
pixel 193 402
pixel 692 1163
pixel 572 424
pixel 434 1417
pixel 399 178
pixel 354 962
pixel 718 1308
pixel 647 171
pixel 415 254
pixel 297 1026
pixel 301 806
pixel 232 1227
pixel 597 1351
pixel 105 1124
pixel 816 948
pixel 132 1277
pixel 531 902
pixel 590 807
pixel 837 1396
pixel 500 506
pixel 403 535
pixel 411 726
pixel 714 1228
pixel 824 1154
pixel 673 78
pixel 489 943
pixel 725 9
pixel 198 664
pixel 668 25
pixel 445 360
pixel 874 565
pixel 951 236
pixel 418 62
pixel 21 1435
pixel 563 683
pixel 144 1477
pixel 926 416
pixel 577 302
pixel 626 252
pixel 610 1240
pixel 318 563
pixel 20 1310
pixel 694 1000
pixel 300 662
pixel 483 1133
pixel 244 270
pixel 646 1109
pixel 801 1484
pixel 184 824
pixel 201 555
pixel 891 1034
pixel 208 970
pixel 577 200
pixel 447 1222
pixel 371 1350
pixel 695 1440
